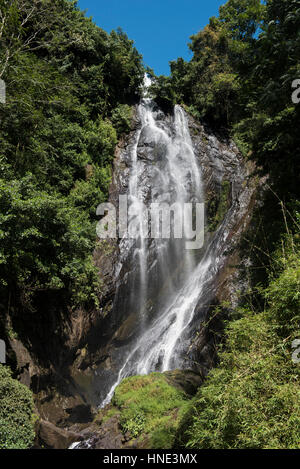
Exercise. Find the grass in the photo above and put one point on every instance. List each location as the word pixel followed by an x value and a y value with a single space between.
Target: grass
pixel 150 409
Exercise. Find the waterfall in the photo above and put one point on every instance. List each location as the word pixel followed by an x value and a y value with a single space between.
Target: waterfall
pixel 168 173
pixel 163 289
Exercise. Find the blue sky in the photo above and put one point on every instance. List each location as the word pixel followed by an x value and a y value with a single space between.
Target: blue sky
pixel 160 28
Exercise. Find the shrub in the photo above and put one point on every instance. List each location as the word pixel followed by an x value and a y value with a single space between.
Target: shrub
pixel 16 413
pixel 283 295
pixel 121 118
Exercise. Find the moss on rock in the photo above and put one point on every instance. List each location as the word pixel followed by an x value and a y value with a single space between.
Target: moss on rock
pixel 149 409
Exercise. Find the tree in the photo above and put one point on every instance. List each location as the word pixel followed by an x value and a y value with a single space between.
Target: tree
pixel 67 80
pixel 16 31
pixel 242 18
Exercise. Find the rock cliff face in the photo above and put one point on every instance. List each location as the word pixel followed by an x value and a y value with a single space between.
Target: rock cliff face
pixel 230 192
pixel 96 342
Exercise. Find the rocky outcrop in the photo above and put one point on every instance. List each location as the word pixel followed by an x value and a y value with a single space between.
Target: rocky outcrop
pixel 232 192
pixel 110 429
pixel 231 189
pixel 107 435
pixel 52 437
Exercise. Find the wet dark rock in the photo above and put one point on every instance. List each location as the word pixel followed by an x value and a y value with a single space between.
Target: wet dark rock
pixel 52 437
pixel 127 329
pixel 106 436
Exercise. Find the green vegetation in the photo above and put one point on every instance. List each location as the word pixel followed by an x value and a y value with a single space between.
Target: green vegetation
pixel 252 399
pixel 217 205
pixel 70 88
pixel 16 413
pixel 149 409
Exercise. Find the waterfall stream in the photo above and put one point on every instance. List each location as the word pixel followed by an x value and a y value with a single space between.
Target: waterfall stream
pixel 160 292
pixel 168 174
pixel 164 289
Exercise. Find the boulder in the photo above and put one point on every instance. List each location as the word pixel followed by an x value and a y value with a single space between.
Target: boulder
pixel 53 437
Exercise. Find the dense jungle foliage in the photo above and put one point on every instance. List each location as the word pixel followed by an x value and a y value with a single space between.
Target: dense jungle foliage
pixel 252 398
pixel 69 90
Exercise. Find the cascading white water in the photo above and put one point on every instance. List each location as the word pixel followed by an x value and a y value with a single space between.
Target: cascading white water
pixel 174 177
